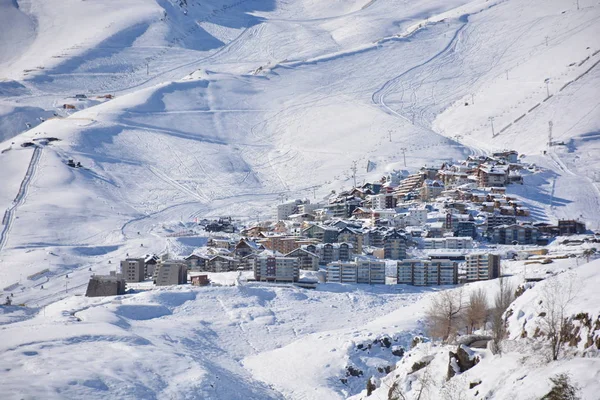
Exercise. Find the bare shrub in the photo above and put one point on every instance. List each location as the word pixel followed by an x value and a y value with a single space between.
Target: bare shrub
pixel 562 389
pixel 445 314
pixel 502 301
pixel 476 311
pixel 556 296
pixel 395 393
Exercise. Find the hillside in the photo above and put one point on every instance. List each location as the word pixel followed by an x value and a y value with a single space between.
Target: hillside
pixel 230 140
pixel 523 370
pixel 185 110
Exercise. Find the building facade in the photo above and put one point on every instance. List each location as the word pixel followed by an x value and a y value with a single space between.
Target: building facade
pixel 106 285
pixel 494 220
pixel 132 269
pixel 466 228
pixel 427 272
pixel 431 189
pixel 482 266
pixel 394 245
pixel 306 259
pixel 358 271
pixel 489 176
pixel 286 209
pixel 330 252
pixel 171 273
pixel 515 234
pixel 352 237
pixel 276 269
pixel 455 243
pixel 570 227
pixel 383 201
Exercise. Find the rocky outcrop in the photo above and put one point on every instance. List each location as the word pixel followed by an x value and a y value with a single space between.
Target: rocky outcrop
pixel 422 363
pixel 461 361
pixel 474 341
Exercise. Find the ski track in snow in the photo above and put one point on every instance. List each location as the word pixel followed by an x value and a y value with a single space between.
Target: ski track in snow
pixel 9 215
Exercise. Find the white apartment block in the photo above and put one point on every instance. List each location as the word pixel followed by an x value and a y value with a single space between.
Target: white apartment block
pixel 286 209
pixel 455 243
pixel 427 272
pixel 481 267
pixel 171 272
pixel 276 269
pixel 382 201
pixel 378 201
pixel 359 271
pixel 400 220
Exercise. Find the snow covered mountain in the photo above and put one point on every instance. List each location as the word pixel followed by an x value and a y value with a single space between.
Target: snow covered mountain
pixel 221 109
pixel 185 109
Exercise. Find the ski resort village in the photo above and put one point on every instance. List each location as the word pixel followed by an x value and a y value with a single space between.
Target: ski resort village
pixel 420 227
pixel 300 199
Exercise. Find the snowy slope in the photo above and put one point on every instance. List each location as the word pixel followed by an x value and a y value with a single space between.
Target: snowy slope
pixel 229 139
pixel 17 30
pixel 213 144
pixel 223 109
pixel 523 369
pixel 177 343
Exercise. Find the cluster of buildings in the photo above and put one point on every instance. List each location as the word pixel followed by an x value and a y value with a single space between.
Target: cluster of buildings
pixel 431 227
pixel 448 215
pixel 161 270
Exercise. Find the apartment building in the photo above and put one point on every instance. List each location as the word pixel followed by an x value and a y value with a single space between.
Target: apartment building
pixel 374 237
pixel 276 269
pixel 383 201
pixel 394 245
pixel 417 216
pixel 358 271
pixel 515 234
pixel 341 271
pixel 431 189
pixel 482 266
pixel 570 227
pixel 132 269
pixel 351 236
pixel 494 220
pixel 489 176
pixel 306 259
pixel 284 243
pixel 286 209
pixel 329 252
pixel 171 272
pixel 455 243
pixel 321 233
pixel 427 272
pixel 370 271
pixel 466 228
pixel 308 208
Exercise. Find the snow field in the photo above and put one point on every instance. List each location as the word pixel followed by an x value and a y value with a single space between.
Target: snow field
pixel 199 335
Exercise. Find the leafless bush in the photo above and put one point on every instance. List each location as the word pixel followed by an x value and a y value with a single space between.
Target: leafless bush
pixel 556 296
pixel 445 314
pixel 562 389
pixel 502 301
pixel 395 392
pixel 476 311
